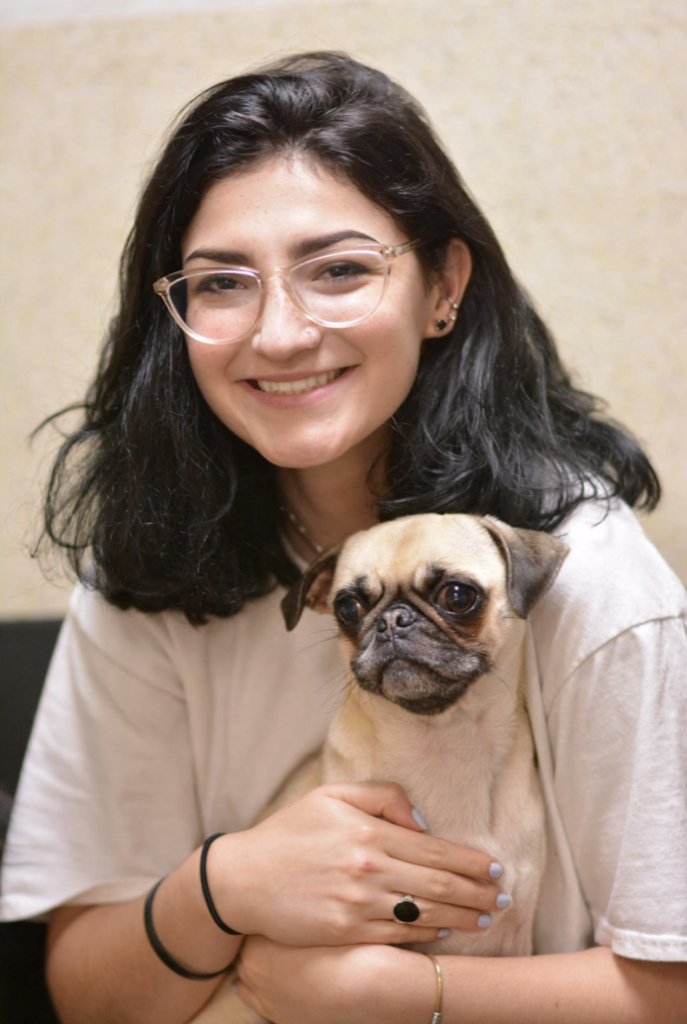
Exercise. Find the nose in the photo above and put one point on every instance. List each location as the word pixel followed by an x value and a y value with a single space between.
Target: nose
pixel 283 329
pixel 395 621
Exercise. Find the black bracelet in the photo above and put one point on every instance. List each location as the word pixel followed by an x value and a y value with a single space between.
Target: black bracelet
pixel 206 888
pixel 158 948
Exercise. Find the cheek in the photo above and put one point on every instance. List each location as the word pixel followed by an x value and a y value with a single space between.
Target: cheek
pixel 392 348
pixel 473 632
pixel 208 362
pixel 348 648
pixel 209 365
pixel 486 629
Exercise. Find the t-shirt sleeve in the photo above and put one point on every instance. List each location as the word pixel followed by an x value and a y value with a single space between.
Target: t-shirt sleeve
pixel 618 728
pixel 106 802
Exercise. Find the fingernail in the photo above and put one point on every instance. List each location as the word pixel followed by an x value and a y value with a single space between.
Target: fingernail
pixel 484 921
pixel 419 819
pixel 444 932
pixel 495 870
pixel 503 900
pixel 234 987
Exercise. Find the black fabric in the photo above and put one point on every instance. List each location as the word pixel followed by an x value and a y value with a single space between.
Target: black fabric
pixel 23 992
pixel 25 651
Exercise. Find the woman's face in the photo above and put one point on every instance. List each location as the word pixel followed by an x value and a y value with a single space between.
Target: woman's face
pixel 264 217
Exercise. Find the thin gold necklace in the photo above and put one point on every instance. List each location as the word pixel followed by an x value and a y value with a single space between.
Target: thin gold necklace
pixel 298 525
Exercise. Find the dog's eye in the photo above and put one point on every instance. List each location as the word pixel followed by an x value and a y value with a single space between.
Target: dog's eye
pixel 348 611
pixel 457 597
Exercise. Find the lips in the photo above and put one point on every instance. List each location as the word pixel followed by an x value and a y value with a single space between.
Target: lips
pixel 298 386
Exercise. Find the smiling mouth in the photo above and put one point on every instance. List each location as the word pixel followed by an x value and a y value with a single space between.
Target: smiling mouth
pixel 296 387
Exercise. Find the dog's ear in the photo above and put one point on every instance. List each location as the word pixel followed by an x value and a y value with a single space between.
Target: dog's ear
pixel 532 558
pixel 312 588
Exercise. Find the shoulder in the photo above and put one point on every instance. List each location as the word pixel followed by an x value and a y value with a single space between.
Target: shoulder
pixel 101 643
pixel 611 654
pixel 137 642
pixel 163 648
pixel 613 580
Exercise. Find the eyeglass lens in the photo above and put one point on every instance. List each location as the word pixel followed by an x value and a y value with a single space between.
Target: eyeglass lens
pixel 338 288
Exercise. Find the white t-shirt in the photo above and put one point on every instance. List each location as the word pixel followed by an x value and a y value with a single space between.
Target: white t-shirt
pixel 151 734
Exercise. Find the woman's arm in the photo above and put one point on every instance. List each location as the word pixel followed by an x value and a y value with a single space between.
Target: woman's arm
pixel 101 967
pixel 324 870
pixel 385 985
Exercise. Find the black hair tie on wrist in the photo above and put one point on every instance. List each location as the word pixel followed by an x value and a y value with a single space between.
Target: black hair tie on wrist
pixel 206 888
pixel 160 950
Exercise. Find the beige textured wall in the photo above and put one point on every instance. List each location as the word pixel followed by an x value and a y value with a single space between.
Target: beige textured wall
pixel 567 120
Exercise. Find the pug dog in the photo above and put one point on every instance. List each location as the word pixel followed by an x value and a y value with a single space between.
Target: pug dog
pixel 431 613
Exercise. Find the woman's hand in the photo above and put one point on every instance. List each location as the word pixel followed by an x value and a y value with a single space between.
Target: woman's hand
pixel 328 869
pixel 385 985
pixel 336 984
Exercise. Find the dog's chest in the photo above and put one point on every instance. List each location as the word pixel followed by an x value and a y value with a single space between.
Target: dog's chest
pixel 451 768
pixel 476 785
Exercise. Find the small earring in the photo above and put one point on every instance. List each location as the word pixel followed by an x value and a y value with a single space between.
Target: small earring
pixel 441 324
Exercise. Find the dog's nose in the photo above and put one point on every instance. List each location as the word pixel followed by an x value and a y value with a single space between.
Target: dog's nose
pixel 394 620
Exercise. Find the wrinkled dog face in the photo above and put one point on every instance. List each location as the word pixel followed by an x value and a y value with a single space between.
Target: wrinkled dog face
pixel 424 603
pixel 421 609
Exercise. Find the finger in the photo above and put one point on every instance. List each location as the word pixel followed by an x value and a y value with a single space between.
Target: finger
pixel 380 799
pixel 389 933
pixel 438 887
pixel 432 852
pixel 438 916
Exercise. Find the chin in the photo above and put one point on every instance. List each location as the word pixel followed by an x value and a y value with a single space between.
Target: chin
pixel 291 460
pixel 302 455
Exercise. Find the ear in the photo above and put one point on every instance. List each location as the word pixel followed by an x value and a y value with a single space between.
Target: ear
pixel 532 559
pixel 312 588
pixel 448 289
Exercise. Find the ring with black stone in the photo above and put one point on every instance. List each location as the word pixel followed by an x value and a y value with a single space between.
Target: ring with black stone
pixel 406 910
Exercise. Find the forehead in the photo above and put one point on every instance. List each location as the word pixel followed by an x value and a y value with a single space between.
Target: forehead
pixel 284 197
pixel 404 549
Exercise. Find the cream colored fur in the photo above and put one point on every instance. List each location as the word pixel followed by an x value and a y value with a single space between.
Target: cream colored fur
pixel 470 769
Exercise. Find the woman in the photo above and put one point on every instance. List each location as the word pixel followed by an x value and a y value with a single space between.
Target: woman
pixel 343 341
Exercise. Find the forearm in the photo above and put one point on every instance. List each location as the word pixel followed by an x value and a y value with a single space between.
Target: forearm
pixel 589 987
pixel 102 969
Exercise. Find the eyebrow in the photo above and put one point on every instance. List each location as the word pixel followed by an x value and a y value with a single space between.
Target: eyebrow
pixel 300 250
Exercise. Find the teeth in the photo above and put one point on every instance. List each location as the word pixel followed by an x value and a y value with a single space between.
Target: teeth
pixel 296 387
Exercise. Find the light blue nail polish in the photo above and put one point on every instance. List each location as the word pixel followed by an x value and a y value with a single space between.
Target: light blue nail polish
pixel 495 870
pixel 419 819
pixel 503 900
pixel 484 921
pixel 444 932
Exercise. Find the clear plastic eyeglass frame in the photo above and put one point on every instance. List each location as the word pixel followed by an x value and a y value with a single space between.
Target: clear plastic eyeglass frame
pixel 388 252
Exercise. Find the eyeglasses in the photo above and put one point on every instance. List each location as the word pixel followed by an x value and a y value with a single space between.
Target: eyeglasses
pixel 219 305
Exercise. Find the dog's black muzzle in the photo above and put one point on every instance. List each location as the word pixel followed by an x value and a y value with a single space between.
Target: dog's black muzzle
pixel 408 659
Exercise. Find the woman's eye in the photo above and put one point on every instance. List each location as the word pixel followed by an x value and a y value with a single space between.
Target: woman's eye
pixel 457 598
pixel 218 283
pixel 349 611
pixel 342 272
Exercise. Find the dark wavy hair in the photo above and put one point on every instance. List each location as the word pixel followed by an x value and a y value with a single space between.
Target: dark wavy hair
pixel 159 506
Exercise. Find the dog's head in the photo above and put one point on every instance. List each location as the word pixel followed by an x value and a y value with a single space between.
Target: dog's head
pixel 423 604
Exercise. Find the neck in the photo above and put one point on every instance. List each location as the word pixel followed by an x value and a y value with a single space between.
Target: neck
pixel 336 500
